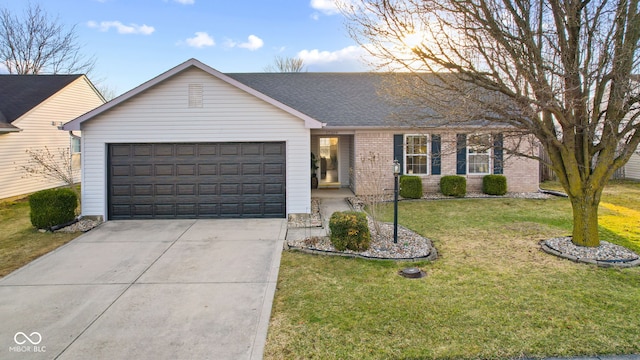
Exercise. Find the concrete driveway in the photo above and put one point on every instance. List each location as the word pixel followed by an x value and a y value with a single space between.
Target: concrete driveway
pixel 153 289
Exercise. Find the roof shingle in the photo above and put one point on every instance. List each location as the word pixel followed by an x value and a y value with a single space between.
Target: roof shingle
pixel 21 93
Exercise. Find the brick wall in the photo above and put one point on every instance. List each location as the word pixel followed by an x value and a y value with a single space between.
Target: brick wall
pixel 521 173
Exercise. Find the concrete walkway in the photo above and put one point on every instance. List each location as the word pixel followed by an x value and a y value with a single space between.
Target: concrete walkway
pixel 157 289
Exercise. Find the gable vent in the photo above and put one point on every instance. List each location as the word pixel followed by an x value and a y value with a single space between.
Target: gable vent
pixel 195 95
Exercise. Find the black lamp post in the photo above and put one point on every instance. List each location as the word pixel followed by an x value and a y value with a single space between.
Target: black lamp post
pixel 396 173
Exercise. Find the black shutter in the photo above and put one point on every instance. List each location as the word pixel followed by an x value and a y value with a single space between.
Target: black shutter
pixel 461 158
pixel 435 155
pixel 398 150
pixel 497 154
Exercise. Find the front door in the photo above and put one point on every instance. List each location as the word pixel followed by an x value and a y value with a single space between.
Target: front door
pixel 329 169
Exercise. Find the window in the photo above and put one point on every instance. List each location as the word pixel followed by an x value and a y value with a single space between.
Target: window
pixel 416 154
pixel 75 145
pixel 479 154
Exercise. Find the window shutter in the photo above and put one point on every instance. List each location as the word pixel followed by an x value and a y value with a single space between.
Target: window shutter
pixel 497 154
pixel 461 158
pixel 398 150
pixel 435 155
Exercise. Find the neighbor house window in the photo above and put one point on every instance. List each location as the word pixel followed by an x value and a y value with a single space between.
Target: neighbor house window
pixel 479 154
pixel 75 145
pixel 416 154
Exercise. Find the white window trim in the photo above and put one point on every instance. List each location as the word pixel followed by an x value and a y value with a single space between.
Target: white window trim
pixel 489 152
pixel 71 148
pixel 427 155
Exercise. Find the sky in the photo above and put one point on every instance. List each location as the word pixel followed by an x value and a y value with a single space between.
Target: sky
pixel 136 40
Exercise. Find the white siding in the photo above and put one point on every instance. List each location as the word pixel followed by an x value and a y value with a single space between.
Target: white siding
pixel 37 132
pixel 632 168
pixel 162 114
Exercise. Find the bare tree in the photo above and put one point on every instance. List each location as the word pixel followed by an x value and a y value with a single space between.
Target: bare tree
pixel 560 70
pixel 57 167
pixel 286 64
pixel 36 43
pixel 372 169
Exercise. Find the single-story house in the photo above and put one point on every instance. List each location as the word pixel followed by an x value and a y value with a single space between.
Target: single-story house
pixel 196 143
pixel 32 107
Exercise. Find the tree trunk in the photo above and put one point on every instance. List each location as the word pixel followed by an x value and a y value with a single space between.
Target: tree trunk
pixel 585 220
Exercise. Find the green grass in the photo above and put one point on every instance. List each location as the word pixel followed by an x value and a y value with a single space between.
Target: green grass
pixel 491 295
pixel 20 242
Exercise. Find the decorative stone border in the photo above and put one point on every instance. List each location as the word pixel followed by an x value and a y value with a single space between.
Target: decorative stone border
pixel 600 263
pixel 433 255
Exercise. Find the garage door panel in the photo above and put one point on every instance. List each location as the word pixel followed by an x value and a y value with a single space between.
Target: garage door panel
pixel 207 169
pixel 207 189
pixel 142 170
pixel 274 149
pixel 186 169
pixel 274 169
pixel 251 169
pixel 229 169
pixel 229 149
pixel 188 150
pixel 196 180
pixel 163 150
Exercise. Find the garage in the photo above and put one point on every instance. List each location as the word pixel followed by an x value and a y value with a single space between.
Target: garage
pixel 196 180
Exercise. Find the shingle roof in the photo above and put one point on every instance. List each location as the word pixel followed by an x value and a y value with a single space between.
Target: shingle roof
pixel 337 99
pixel 21 93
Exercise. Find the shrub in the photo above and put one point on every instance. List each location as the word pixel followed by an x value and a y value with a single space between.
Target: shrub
pixel 411 186
pixel 52 207
pixel 494 184
pixel 453 185
pixel 349 230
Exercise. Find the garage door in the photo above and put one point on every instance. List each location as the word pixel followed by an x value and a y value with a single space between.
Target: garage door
pixel 196 180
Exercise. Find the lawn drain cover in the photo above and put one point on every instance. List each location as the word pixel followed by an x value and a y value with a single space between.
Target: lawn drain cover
pixel 412 273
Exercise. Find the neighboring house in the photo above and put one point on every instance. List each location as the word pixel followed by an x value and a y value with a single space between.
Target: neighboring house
pixel 197 143
pixel 32 107
pixel 632 167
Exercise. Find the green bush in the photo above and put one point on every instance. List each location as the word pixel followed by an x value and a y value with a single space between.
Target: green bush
pixel 494 184
pixel 349 230
pixel 453 185
pixel 52 207
pixel 411 186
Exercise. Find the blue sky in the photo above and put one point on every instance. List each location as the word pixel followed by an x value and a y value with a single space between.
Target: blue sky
pixel 136 40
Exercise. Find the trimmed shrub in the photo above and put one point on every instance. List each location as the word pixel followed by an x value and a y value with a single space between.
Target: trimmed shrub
pixel 494 184
pixel 349 230
pixel 52 207
pixel 453 185
pixel 411 186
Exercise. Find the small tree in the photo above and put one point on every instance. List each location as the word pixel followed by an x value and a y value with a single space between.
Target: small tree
pixel 56 166
pixel 372 182
pixel 286 64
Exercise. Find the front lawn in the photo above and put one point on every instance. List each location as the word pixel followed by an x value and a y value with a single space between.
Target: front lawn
pixel 20 242
pixel 492 294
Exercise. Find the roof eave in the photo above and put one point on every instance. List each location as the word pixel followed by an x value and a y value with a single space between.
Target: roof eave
pixel 75 124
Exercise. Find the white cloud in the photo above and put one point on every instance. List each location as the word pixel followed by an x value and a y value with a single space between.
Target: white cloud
pixel 185 2
pixel 3 69
pixel 202 39
pixel 122 28
pixel 328 7
pixel 316 56
pixel 253 43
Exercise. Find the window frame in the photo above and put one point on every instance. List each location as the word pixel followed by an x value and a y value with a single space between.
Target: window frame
pixel 72 148
pixel 426 155
pixel 488 152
